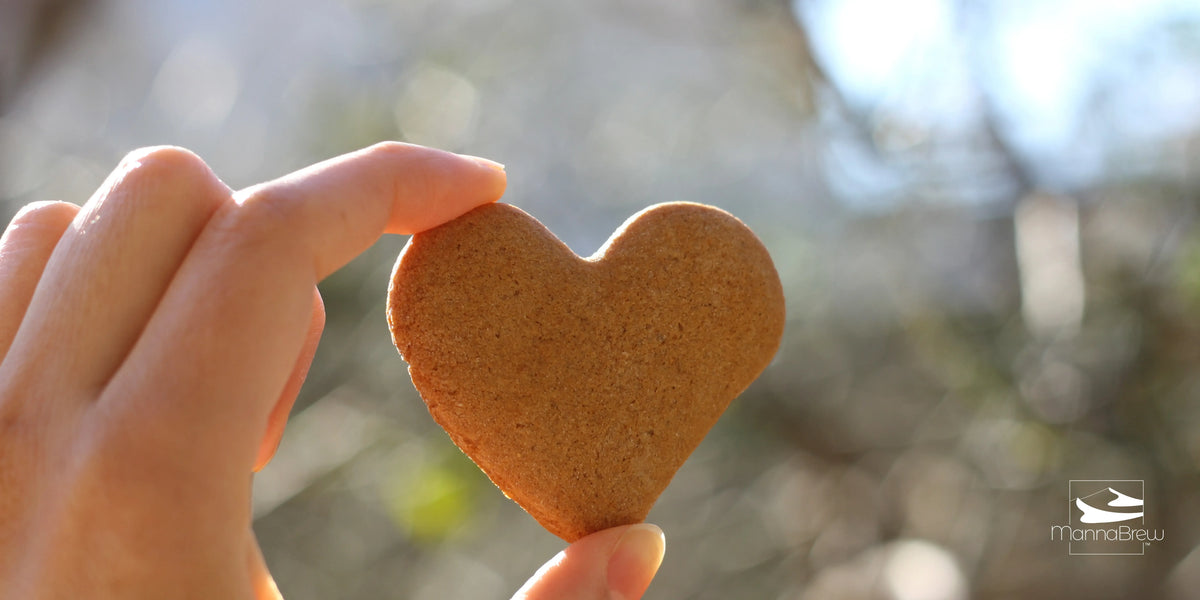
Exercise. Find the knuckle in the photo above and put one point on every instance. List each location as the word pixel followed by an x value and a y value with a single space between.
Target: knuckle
pixel 49 213
pixel 165 166
pixel 394 149
pixel 423 167
pixel 158 182
pixel 260 215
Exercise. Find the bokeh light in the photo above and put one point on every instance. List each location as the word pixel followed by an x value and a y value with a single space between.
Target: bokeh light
pixel 984 215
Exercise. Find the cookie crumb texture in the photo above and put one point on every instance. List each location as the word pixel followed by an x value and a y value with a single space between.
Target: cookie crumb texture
pixel 580 386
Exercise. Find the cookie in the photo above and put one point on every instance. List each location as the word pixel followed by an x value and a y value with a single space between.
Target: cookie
pixel 580 386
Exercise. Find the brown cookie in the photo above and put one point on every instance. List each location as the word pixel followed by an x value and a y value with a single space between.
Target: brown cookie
pixel 581 385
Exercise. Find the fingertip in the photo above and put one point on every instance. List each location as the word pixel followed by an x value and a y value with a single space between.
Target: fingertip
pixel 54 214
pixel 613 564
pixel 635 560
pixel 26 246
pixel 445 186
pixel 494 176
pixel 486 163
pixel 37 228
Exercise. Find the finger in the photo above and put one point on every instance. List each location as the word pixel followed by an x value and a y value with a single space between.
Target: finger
pixel 25 248
pixel 230 330
pixel 277 420
pixel 112 266
pixel 263 585
pixel 338 208
pixel 614 564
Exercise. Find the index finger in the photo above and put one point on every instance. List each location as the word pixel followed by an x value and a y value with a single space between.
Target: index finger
pixel 340 207
pixel 221 344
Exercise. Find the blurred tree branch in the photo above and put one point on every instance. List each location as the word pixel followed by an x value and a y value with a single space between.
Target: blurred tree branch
pixel 30 32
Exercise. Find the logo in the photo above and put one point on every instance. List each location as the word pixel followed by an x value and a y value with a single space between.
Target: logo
pixel 1106 517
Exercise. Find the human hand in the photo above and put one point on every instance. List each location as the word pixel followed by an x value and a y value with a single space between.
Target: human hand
pixel 151 345
pixel 614 564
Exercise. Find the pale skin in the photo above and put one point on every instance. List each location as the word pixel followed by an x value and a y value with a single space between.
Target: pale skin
pixel 152 342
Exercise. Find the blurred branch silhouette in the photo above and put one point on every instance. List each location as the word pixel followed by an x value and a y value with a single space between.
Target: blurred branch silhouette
pixel 30 31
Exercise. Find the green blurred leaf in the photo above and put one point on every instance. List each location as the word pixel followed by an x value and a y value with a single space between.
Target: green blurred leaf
pixel 435 500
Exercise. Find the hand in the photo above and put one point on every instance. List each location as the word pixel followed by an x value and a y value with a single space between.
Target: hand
pixel 614 564
pixel 151 345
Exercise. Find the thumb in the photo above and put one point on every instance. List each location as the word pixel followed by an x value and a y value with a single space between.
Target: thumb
pixel 613 564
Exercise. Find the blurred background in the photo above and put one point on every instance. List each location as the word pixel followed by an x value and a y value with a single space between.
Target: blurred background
pixel 984 213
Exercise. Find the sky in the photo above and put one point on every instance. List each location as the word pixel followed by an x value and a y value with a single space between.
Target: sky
pixel 1042 64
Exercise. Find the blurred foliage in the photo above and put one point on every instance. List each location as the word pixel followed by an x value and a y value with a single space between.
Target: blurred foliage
pixel 437 500
pixel 983 214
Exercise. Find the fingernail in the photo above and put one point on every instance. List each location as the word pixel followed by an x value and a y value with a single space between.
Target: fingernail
pixel 635 560
pixel 483 162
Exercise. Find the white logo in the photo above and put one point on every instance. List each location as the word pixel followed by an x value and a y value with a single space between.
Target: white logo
pixel 1091 514
pixel 1093 504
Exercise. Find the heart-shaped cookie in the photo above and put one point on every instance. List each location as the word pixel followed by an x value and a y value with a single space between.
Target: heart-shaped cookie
pixel 578 385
